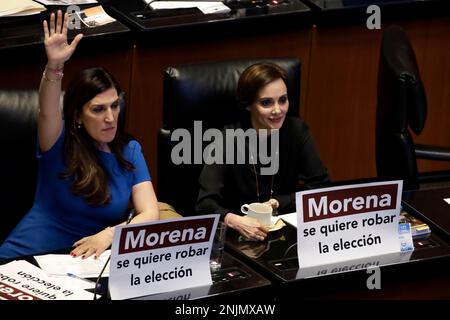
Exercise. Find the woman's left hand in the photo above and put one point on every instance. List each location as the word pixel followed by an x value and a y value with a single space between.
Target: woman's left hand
pixel 93 245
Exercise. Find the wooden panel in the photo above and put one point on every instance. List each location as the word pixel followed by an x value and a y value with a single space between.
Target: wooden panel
pixel 341 100
pixel 338 85
pixel 432 46
pixel 23 73
pixel 145 117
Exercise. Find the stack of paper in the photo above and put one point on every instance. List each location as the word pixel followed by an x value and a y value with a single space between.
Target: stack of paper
pixel 290 218
pixel 13 8
pixel 63 264
pixel 66 2
pixel 207 7
pixel 418 227
pixel 94 17
pixel 20 280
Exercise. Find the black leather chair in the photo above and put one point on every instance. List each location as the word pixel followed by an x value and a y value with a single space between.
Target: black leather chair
pixel 206 92
pixel 18 163
pixel 401 107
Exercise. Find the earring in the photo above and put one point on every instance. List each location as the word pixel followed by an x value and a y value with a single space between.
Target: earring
pixel 78 125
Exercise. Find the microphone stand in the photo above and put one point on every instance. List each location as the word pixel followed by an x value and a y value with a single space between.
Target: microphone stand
pixel 130 216
pixel 287 251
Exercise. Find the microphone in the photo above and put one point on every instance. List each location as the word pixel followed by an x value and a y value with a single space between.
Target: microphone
pixel 130 216
pixel 287 251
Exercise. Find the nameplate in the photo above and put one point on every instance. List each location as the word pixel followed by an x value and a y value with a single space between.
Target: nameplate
pixel 354 265
pixel 161 256
pixel 183 294
pixel 348 222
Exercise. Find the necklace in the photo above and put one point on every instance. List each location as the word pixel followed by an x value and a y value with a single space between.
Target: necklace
pixel 257 180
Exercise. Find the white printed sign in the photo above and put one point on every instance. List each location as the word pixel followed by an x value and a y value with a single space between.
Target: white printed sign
pixel 161 256
pixel 348 222
pixel 184 294
pixel 353 265
pixel 20 280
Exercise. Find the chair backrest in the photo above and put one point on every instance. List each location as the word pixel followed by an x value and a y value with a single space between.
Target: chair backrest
pixel 18 163
pixel 18 131
pixel 204 92
pixel 401 105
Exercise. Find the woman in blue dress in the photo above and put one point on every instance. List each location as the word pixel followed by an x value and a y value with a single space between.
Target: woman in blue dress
pixel 88 171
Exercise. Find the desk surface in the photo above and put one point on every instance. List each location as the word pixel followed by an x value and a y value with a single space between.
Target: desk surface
pixel 276 258
pixel 349 4
pixel 422 274
pixel 134 14
pixel 26 32
pixel 431 207
pixel 256 16
pixel 342 12
pixel 234 278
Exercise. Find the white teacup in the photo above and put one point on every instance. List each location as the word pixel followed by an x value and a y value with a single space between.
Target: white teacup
pixel 260 211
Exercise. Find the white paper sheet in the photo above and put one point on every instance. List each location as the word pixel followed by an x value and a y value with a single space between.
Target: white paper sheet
pixel 62 264
pixel 12 8
pixel 94 17
pixel 23 281
pixel 205 6
pixel 66 2
pixel 290 218
pixel 75 282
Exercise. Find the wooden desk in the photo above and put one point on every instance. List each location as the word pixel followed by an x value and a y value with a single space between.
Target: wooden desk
pixel 430 206
pixel 422 274
pixel 234 279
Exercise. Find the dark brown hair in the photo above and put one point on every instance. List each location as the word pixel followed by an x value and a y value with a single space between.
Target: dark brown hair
pixel 90 179
pixel 254 78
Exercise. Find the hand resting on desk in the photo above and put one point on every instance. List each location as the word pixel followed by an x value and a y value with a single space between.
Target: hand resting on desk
pixel 249 227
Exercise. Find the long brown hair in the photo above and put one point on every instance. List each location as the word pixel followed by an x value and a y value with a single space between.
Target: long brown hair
pixel 90 179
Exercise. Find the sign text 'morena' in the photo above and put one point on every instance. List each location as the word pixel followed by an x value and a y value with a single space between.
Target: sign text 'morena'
pixel 168 234
pixel 342 202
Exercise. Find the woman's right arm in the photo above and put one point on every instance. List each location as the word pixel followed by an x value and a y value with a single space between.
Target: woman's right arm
pixel 58 52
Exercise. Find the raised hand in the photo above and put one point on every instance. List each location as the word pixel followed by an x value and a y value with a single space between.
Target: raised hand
pixel 56 46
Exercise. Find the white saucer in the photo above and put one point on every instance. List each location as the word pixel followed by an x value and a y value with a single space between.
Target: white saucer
pixel 277 224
